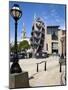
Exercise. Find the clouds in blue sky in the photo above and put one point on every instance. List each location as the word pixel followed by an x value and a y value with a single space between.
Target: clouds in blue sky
pixel 54 18
pixel 52 14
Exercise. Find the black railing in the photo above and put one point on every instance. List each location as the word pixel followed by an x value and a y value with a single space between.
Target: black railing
pixel 41 63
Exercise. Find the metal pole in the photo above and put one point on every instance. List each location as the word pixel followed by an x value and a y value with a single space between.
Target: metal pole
pixel 62 56
pixel 15 68
pixel 37 67
pixel 45 66
pixel 16 54
pixel 60 67
pixel 62 49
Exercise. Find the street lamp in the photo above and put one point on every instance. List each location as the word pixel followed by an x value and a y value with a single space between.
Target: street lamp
pixel 62 55
pixel 16 14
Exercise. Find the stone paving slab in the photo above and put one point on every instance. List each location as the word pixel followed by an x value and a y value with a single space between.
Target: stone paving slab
pixel 51 76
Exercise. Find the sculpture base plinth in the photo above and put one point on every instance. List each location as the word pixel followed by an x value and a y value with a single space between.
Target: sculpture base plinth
pixel 18 80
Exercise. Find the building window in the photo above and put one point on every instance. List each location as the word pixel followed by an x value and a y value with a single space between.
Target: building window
pixel 54 47
pixel 54 36
pixel 53 31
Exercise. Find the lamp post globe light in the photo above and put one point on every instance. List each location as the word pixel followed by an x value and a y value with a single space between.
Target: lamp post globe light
pixel 16 13
pixel 62 55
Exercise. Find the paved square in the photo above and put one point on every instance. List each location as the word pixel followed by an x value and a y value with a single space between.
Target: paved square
pixel 51 76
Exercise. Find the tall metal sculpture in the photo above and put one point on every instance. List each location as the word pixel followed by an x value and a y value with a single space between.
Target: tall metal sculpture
pixel 37 36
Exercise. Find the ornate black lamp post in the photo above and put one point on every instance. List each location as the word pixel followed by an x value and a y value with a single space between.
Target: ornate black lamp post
pixel 62 55
pixel 16 14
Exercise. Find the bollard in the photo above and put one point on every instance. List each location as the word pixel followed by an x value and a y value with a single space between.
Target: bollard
pixel 45 66
pixel 37 67
pixel 60 67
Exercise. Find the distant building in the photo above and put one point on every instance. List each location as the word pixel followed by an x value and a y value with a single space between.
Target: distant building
pixel 64 42
pixel 47 39
pixel 53 39
pixel 24 37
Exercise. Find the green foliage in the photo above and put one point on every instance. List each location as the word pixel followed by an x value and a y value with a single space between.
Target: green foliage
pixel 24 45
pixel 12 48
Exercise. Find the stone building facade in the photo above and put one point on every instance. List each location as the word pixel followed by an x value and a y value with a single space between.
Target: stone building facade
pixel 47 38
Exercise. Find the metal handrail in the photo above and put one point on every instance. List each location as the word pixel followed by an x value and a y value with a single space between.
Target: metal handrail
pixel 40 63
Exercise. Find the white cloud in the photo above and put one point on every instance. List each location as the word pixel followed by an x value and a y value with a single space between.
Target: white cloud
pixel 57 20
pixel 53 18
pixel 45 17
pixel 53 11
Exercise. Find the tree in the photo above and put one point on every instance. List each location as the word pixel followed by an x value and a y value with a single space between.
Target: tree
pixel 12 48
pixel 24 45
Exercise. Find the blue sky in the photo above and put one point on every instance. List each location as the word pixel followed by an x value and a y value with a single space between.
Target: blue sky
pixel 52 14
